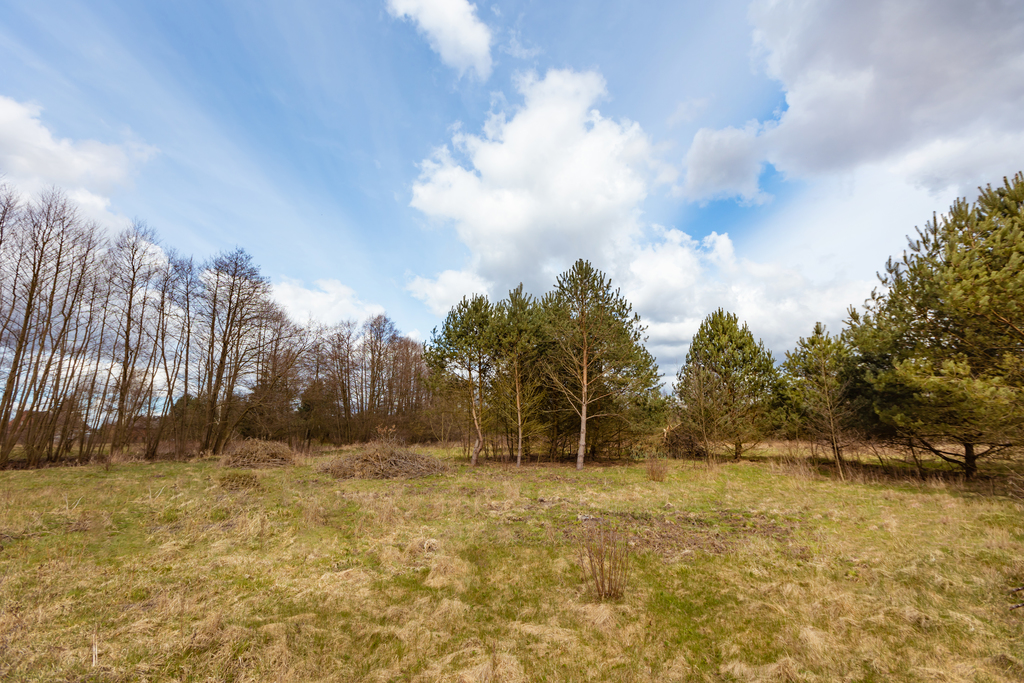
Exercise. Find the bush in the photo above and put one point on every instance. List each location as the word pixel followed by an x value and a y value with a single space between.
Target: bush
pixel 682 443
pixel 604 559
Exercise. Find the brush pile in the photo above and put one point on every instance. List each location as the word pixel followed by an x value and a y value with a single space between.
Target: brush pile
pixel 239 481
pixel 259 454
pixel 384 458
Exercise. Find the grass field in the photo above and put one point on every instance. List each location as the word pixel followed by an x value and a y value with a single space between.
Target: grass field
pixel 748 571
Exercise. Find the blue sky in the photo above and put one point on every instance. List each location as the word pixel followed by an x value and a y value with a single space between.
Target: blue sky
pixel 397 154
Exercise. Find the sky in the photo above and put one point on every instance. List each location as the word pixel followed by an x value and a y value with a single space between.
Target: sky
pixel 765 157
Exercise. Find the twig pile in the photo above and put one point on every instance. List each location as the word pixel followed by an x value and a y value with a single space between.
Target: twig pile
pixel 239 481
pixel 258 454
pixel 384 459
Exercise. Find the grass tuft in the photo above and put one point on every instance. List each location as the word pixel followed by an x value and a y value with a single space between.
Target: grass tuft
pixel 657 468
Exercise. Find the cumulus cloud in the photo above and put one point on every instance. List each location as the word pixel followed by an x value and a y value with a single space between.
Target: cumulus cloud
pixel 725 163
pixel 674 281
pixel 447 289
pixel 32 159
pixel 453 30
pixel 935 89
pixel 553 180
pixel 330 302
pixel 544 184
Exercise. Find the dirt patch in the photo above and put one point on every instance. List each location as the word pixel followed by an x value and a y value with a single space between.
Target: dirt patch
pixel 677 534
pixel 714 532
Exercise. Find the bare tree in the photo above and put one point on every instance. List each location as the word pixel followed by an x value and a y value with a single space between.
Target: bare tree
pixel 133 264
pixel 49 258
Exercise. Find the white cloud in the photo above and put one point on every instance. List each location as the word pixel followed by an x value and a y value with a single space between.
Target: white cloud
pixel 453 30
pixel 32 159
pixel 517 49
pixel 725 163
pixel 331 302
pixel 687 111
pixel 447 289
pixel 675 281
pixel 934 89
pixel 545 184
pixel 846 225
pixel 553 181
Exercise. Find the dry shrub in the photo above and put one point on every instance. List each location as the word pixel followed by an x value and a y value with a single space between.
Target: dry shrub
pixel 604 559
pixel 258 454
pixel 384 458
pixel 239 481
pixel 657 468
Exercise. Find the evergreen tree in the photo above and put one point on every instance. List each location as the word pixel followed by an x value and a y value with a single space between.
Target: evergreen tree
pixel 597 356
pixel 517 326
pixel 817 383
pixel 464 348
pixel 941 345
pixel 727 382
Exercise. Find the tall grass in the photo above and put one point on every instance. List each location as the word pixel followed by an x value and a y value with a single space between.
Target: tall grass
pixel 657 468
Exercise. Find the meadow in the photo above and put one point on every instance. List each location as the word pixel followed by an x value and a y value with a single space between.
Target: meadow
pixel 755 570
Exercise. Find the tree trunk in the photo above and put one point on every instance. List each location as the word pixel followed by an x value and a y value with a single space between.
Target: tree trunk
pixel 479 438
pixel 583 437
pixel 519 422
pixel 970 461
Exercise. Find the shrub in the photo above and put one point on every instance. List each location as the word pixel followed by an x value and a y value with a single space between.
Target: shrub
pixel 657 468
pixel 682 443
pixel 604 559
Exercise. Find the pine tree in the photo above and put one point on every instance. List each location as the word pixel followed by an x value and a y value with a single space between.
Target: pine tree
pixel 727 382
pixel 597 355
pixel 942 345
pixel 464 348
pixel 517 326
pixel 817 379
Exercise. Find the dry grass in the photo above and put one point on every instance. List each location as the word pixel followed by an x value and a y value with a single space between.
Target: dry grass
pixel 741 571
pixel 657 468
pixel 259 454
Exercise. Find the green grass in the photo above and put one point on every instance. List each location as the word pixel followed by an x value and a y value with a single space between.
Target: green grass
pixel 750 571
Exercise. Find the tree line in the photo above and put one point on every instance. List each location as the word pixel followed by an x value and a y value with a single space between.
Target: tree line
pixel 111 343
